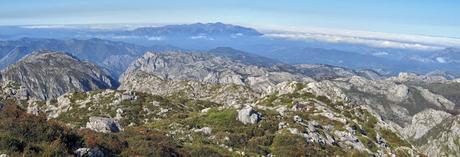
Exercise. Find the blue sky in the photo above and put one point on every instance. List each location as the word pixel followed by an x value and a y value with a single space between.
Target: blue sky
pixel 426 17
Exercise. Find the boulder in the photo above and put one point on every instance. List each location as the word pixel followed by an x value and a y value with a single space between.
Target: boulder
pixel 303 107
pixel 89 152
pixel 248 115
pixel 206 110
pixel 104 125
pixel 22 94
pixel 204 130
pixel 128 95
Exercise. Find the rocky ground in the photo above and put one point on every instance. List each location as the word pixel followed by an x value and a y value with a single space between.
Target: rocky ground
pixel 192 104
pixel 314 125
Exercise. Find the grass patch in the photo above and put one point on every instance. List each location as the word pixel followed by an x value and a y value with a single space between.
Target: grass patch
pixel 393 139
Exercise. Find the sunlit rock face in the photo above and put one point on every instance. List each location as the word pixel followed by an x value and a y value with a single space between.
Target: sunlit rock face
pixel 46 75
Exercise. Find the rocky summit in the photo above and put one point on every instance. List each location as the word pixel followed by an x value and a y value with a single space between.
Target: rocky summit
pixel 46 75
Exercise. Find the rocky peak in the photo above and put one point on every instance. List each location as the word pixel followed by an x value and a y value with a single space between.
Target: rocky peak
pixel 432 77
pixel 321 71
pixel 209 68
pixel 47 74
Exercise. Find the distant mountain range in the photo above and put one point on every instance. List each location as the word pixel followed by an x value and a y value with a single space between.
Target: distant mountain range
pixel 211 29
pixel 204 37
pixel 114 56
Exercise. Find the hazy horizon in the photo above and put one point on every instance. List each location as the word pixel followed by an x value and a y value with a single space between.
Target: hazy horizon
pixel 427 17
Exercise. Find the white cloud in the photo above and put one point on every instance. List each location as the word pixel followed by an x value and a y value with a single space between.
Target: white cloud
pixel 93 26
pixel 119 37
pixel 49 26
pixel 380 53
pixel 441 60
pixel 201 36
pixel 373 39
pixel 381 43
pixel 236 35
pixel 155 38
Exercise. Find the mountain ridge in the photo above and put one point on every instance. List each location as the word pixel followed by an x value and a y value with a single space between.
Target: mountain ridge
pixel 47 74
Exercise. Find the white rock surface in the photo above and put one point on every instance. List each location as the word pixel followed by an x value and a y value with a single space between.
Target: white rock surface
pixel 104 125
pixel 47 75
pixel 204 130
pixel 248 115
pixel 423 121
pixel 445 141
pixel 89 152
pixel 436 99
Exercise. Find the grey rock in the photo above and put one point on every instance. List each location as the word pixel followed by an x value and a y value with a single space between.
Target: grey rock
pixel 22 94
pixel 89 152
pixel 104 125
pixel 321 71
pixel 119 114
pixel 300 107
pixel 220 79
pixel 47 75
pixel 391 100
pixel 282 125
pixel 405 104
pixel 281 110
pixel 228 94
pixel 432 77
pixel 32 109
pixel 248 115
pixel 206 110
pixel 423 121
pixel 442 141
pixel 350 139
pixel 381 141
pixel 63 104
pixel 204 130
pixel 128 95
pixel 209 68
pixel 438 100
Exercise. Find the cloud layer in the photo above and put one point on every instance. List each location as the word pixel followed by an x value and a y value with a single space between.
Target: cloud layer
pixel 373 39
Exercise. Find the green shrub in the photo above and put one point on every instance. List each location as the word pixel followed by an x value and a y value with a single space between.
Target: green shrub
pixel 30 135
pixel 286 144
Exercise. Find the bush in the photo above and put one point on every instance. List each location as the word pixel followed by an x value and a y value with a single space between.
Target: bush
pixel 144 142
pixel 30 135
pixel 286 144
